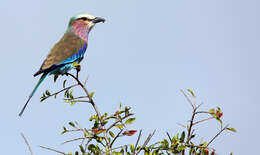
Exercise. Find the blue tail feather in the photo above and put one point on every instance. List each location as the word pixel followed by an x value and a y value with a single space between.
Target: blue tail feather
pixel 43 77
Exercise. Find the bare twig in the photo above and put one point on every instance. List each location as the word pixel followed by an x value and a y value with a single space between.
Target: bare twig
pixel 27 143
pixel 146 141
pixel 193 106
pixel 119 147
pixel 80 97
pixel 182 125
pixel 72 140
pixel 138 139
pixel 72 100
pixel 61 91
pixel 169 136
pixel 74 130
pixel 217 134
pixel 87 93
pixel 52 150
pixel 116 137
pixel 203 120
pixel 190 126
pixel 202 112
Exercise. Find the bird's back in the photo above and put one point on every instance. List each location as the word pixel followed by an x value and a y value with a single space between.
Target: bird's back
pixel 68 46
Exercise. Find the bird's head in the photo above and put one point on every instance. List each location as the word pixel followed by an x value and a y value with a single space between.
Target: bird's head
pixel 83 22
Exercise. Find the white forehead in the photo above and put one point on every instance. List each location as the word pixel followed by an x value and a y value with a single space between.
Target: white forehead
pixel 86 15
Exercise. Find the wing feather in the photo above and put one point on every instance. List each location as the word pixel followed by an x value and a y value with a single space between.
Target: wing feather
pixel 68 47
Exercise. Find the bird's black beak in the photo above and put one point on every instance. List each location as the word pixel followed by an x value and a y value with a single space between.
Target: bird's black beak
pixel 98 20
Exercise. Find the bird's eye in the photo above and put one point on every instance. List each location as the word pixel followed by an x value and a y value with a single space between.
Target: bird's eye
pixel 84 18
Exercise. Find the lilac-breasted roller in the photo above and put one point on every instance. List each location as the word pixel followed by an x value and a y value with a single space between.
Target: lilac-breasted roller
pixel 67 53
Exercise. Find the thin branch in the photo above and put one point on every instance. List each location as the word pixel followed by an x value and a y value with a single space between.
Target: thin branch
pixel 199 106
pixel 190 126
pixel 87 93
pixel 52 150
pixel 116 137
pixel 169 136
pixel 138 139
pixel 203 120
pixel 188 99
pixel 93 105
pixel 27 143
pixel 61 90
pixel 86 80
pixel 72 140
pixel 146 141
pixel 74 130
pixel 119 147
pixel 202 112
pixel 72 100
pixel 80 97
pixel 182 125
pixel 154 144
pixel 118 121
pixel 217 134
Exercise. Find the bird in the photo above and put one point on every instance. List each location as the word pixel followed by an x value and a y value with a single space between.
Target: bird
pixel 68 52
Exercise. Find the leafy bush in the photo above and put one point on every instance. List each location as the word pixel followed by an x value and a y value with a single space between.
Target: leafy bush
pixel 106 129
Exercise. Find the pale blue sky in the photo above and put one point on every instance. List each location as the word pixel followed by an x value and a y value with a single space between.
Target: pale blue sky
pixel 142 56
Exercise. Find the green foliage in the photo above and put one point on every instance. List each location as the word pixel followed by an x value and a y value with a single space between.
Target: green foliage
pixel 130 121
pixel 105 130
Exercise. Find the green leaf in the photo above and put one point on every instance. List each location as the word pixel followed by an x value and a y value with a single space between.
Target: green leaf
pixel 181 147
pixel 72 124
pixel 55 78
pixel 66 93
pixel 99 139
pixel 76 153
pixel 111 134
pixel 204 144
pixel 91 95
pixel 118 153
pixel 42 99
pixel 47 93
pixel 164 143
pixel 132 148
pixel 92 117
pixel 86 133
pixel 64 130
pixel 64 83
pixel 182 137
pixel 130 121
pixel 72 103
pixel 119 126
pixel 69 153
pixel 189 90
pixel 192 136
pixel 211 111
pixel 71 95
pixel 127 110
pixel 82 149
pixel 232 129
pixel 220 121
pixel 92 147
